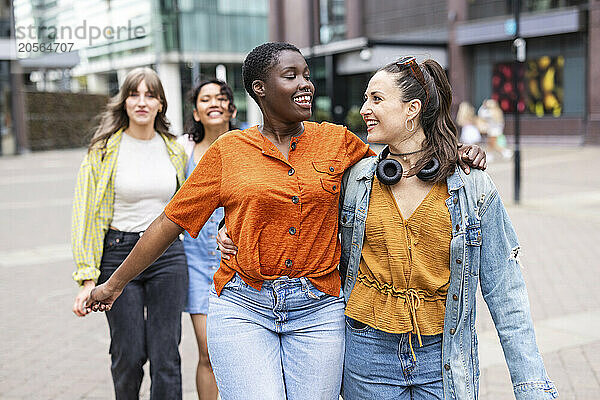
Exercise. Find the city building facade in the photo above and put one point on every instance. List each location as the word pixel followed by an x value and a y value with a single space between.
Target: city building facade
pixel 99 41
pixel 347 40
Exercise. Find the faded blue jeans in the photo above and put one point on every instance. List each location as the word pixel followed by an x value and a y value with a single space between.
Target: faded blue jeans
pixel 285 341
pixel 381 365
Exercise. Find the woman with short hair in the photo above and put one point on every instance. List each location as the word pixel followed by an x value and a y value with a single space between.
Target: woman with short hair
pixel 276 312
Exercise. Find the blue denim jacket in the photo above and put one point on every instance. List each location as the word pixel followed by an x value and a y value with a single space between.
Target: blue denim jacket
pixel 484 249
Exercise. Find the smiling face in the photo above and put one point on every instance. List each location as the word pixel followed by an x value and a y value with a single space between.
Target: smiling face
pixel 384 111
pixel 142 105
pixel 287 93
pixel 212 107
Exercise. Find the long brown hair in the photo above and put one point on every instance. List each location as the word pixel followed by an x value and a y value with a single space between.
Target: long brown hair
pixel 114 117
pixel 441 136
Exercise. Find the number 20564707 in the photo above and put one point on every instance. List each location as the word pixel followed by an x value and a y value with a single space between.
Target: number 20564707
pixel 45 47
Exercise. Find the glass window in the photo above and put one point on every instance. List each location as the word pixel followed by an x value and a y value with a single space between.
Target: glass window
pixel 244 7
pixel 553 76
pixel 332 15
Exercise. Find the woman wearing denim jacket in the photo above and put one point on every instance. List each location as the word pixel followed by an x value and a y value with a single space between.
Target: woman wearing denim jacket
pixel 418 235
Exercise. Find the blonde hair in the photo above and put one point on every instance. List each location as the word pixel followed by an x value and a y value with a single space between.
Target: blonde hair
pixel 466 114
pixel 496 113
pixel 114 117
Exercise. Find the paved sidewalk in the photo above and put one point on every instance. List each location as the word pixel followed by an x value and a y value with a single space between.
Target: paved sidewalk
pixel 48 353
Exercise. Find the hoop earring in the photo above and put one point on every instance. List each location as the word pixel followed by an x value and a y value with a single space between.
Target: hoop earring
pixel 412 126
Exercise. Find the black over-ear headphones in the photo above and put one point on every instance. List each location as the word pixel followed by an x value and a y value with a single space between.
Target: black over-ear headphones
pixel 389 171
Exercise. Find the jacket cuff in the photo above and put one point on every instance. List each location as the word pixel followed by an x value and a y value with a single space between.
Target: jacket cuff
pixel 86 273
pixel 538 390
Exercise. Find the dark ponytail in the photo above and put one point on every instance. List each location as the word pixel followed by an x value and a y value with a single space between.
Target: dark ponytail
pixel 444 135
pixel 441 137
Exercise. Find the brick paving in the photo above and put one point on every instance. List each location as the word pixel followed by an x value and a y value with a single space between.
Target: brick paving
pixel 48 353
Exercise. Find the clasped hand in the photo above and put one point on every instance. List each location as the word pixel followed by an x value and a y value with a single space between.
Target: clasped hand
pixel 101 298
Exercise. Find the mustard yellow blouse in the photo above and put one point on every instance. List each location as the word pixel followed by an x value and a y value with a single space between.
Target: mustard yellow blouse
pixel 404 270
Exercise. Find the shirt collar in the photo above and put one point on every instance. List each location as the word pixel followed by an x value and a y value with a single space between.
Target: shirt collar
pixel 455 181
pixel 268 148
pixel 368 169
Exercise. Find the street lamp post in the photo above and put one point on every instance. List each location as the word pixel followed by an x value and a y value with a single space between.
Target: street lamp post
pixel 519 45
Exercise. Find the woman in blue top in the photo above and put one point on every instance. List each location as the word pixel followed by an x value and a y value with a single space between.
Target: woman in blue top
pixel 407 108
pixel 213 105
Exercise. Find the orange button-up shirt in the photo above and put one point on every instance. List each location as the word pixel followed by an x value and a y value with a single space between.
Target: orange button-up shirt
pixel 282 214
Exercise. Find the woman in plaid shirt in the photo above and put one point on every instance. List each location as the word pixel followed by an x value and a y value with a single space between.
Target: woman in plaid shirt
pixel 132 169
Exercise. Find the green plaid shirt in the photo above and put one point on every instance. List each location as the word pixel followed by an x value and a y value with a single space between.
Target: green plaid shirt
pixel 93 203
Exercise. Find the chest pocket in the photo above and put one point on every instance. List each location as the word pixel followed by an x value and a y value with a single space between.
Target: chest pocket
pixel 330 174
pixel 473 235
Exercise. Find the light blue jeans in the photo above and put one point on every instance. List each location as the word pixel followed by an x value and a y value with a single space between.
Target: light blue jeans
pixel 283 342
pixel 380 365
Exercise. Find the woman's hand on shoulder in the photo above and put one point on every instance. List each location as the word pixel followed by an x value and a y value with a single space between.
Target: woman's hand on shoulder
pixel 82 296
pixel 225 244
pixel 471 155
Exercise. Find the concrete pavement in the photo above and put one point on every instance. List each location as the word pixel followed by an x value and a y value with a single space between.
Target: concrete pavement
pixel 48 353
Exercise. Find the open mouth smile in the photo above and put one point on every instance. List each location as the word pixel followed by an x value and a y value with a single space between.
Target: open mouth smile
pixel 371 123
pixel 304 101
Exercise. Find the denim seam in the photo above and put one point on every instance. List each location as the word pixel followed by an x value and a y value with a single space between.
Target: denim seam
pixel 486 205
pixel 533 385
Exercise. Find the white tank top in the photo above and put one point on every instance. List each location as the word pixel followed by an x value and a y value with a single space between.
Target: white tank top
pixel 145 181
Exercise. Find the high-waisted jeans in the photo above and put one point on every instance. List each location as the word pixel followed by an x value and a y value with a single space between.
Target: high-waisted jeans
pixel 285 341
pixel 145 321
pixel 380 365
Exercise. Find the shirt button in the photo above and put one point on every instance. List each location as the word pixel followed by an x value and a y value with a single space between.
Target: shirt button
pixel 293 146
pixel 454 297
pixel 452 331
pixel 212 253
pixel 292 230
pixel 331 169
pixel 288 263
pixel 295 199
pixel 458 261
pixel 447 367
pixel 455 200
pixel 291 172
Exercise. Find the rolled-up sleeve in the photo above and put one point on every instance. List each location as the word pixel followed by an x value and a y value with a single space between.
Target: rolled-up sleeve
pixel 84 240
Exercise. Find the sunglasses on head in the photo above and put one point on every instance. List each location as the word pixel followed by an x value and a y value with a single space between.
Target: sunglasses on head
pixel 413 66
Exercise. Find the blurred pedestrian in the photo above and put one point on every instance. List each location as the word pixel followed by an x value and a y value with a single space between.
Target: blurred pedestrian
pixel 414 258
pixel 467 120
pixel 132 169
pixel 276 311
pixel 492 124
pixel 213 109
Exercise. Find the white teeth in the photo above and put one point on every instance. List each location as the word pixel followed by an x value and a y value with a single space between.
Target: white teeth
pixel 303 99
pixel 371 123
